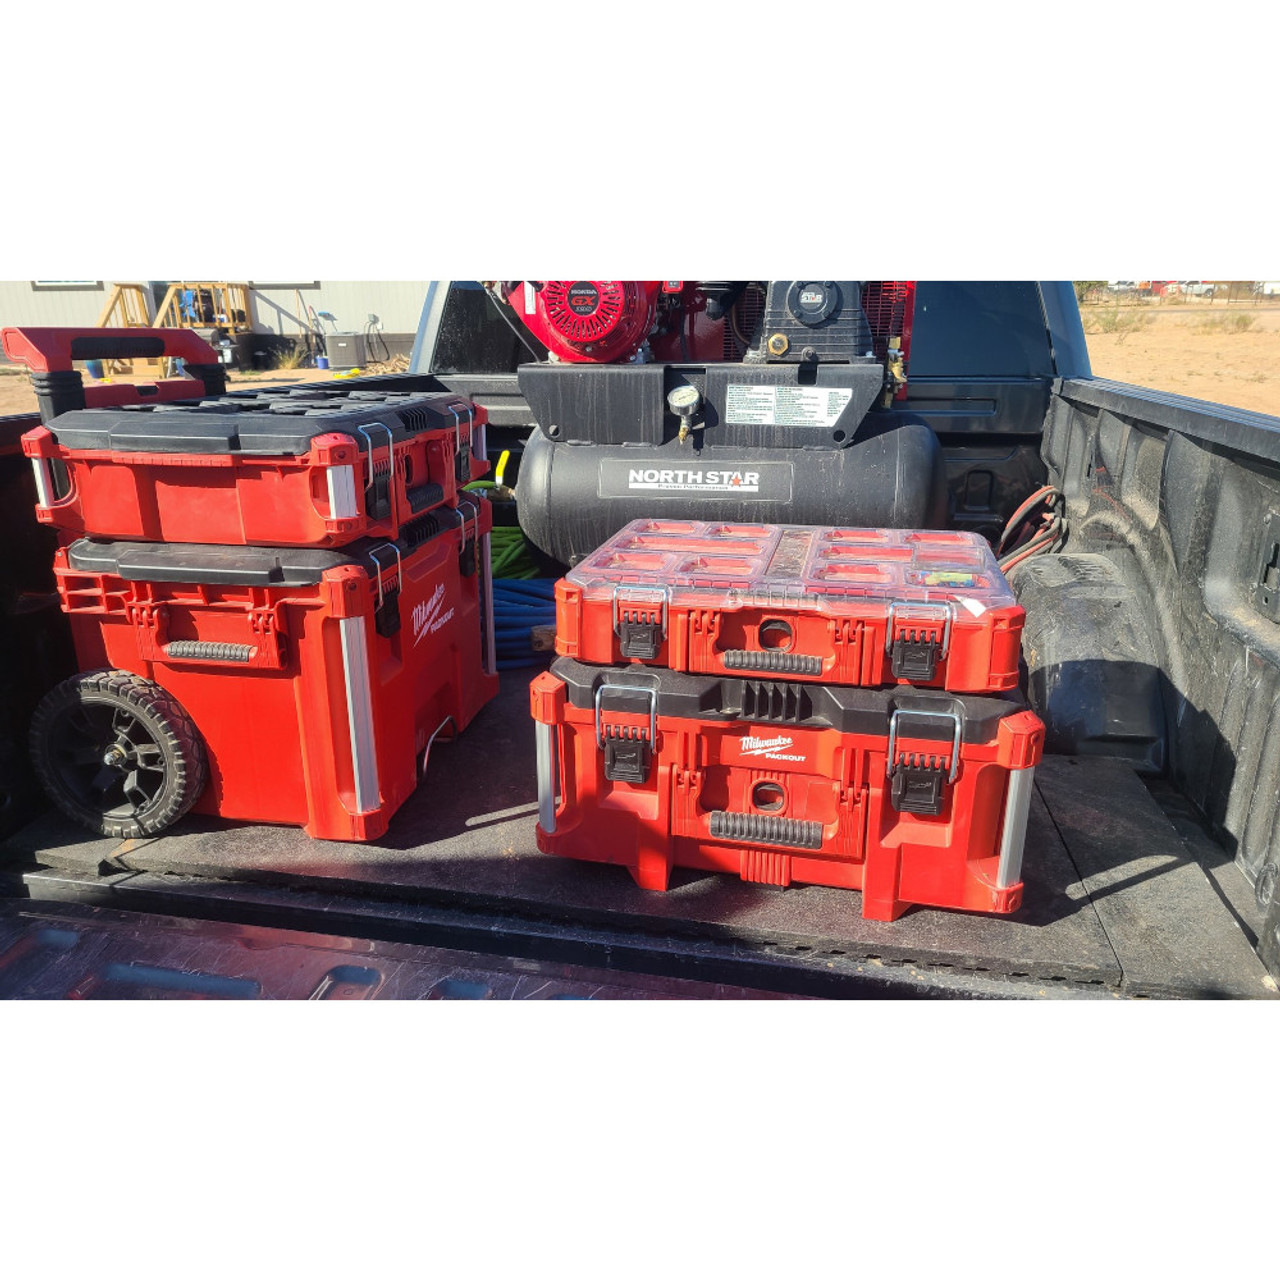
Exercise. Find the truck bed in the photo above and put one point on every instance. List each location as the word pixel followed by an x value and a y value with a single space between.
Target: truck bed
pixel 1126 896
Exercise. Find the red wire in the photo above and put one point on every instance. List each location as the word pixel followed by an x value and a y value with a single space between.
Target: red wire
pixel 1039 495
pixel 1044 540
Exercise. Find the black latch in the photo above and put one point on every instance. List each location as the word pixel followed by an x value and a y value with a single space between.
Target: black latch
pixel 917 784
pixel 377 489
pixel 461 455
pixel 377 496
pixel 386 617
pixel 386 613
pixel 639 633
pixel 467 551
pixel 627 754
pixel 915 655
pixel 628 748
pixel 640 620
pixel 467 559
pixel 916 643
pixel 917 778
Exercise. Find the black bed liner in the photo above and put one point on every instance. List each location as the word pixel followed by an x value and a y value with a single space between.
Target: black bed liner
pixel 1117 902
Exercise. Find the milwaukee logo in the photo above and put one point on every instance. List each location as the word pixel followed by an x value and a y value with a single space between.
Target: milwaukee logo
pixel 693 481
pixel 768 748
pixel 427 618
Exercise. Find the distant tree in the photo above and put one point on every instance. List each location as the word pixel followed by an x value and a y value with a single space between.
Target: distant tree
pixel 1086 288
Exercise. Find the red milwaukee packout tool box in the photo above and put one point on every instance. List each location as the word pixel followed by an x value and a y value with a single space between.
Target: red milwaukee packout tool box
pixel 316 679
pixel 308 467
pixel 912 796
pixel 835 606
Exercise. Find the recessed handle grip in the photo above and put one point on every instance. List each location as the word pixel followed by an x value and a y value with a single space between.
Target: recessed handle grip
pixel 758 828
pixel 775 661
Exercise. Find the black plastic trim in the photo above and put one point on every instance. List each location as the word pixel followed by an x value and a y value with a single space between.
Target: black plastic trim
pixel 238 566
pixel 848 710
pixel 280 421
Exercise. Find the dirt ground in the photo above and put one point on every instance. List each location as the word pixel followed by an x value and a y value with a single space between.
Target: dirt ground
pixel 1210 351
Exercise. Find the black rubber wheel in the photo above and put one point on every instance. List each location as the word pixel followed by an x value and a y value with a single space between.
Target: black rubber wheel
pixel 117 754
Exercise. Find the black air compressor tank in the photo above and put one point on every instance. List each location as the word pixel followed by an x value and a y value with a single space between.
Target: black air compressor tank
pixel 575 494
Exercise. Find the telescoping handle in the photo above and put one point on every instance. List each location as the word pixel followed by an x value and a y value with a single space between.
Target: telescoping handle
pixel 53 350
pixel 50 352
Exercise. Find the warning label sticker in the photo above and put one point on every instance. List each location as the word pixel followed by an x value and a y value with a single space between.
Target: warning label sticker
pixel 785 406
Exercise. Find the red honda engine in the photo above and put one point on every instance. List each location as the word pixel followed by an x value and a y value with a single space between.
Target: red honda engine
pixel 598 321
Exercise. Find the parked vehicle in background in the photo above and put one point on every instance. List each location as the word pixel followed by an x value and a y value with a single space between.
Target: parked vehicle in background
pixel 1198 288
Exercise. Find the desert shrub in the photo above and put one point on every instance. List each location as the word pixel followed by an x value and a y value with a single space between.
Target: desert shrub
pixel 291 358
pixel 1236 323
pixel 1119 322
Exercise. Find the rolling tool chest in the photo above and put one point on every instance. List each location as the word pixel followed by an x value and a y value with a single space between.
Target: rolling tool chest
pixel 866 607
pixel 279 599
pixel 791 704
pixel 312 467
pixel 316 680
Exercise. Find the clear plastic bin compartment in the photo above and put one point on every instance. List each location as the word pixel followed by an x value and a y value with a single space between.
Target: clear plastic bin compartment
pixel 717 566
pixel 927 539
pixel 860 572
pixel 738 531
pixel 952 579
pixel 966 559
pixel 745 563
pixel 631 561
pixel 662 526
pixel 859 537
pixel 677 544
pixel 861 553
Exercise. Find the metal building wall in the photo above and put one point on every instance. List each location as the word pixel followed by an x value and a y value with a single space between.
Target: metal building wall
pixel 397 303
pixel 21 304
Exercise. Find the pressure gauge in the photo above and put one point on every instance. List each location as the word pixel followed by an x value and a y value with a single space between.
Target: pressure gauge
pixel 684 401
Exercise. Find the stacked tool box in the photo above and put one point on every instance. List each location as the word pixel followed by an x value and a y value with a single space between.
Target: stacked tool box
pixel 279 599
pixel 791 704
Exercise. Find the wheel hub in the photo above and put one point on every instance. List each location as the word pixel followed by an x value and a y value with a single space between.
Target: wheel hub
pixel 109 760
